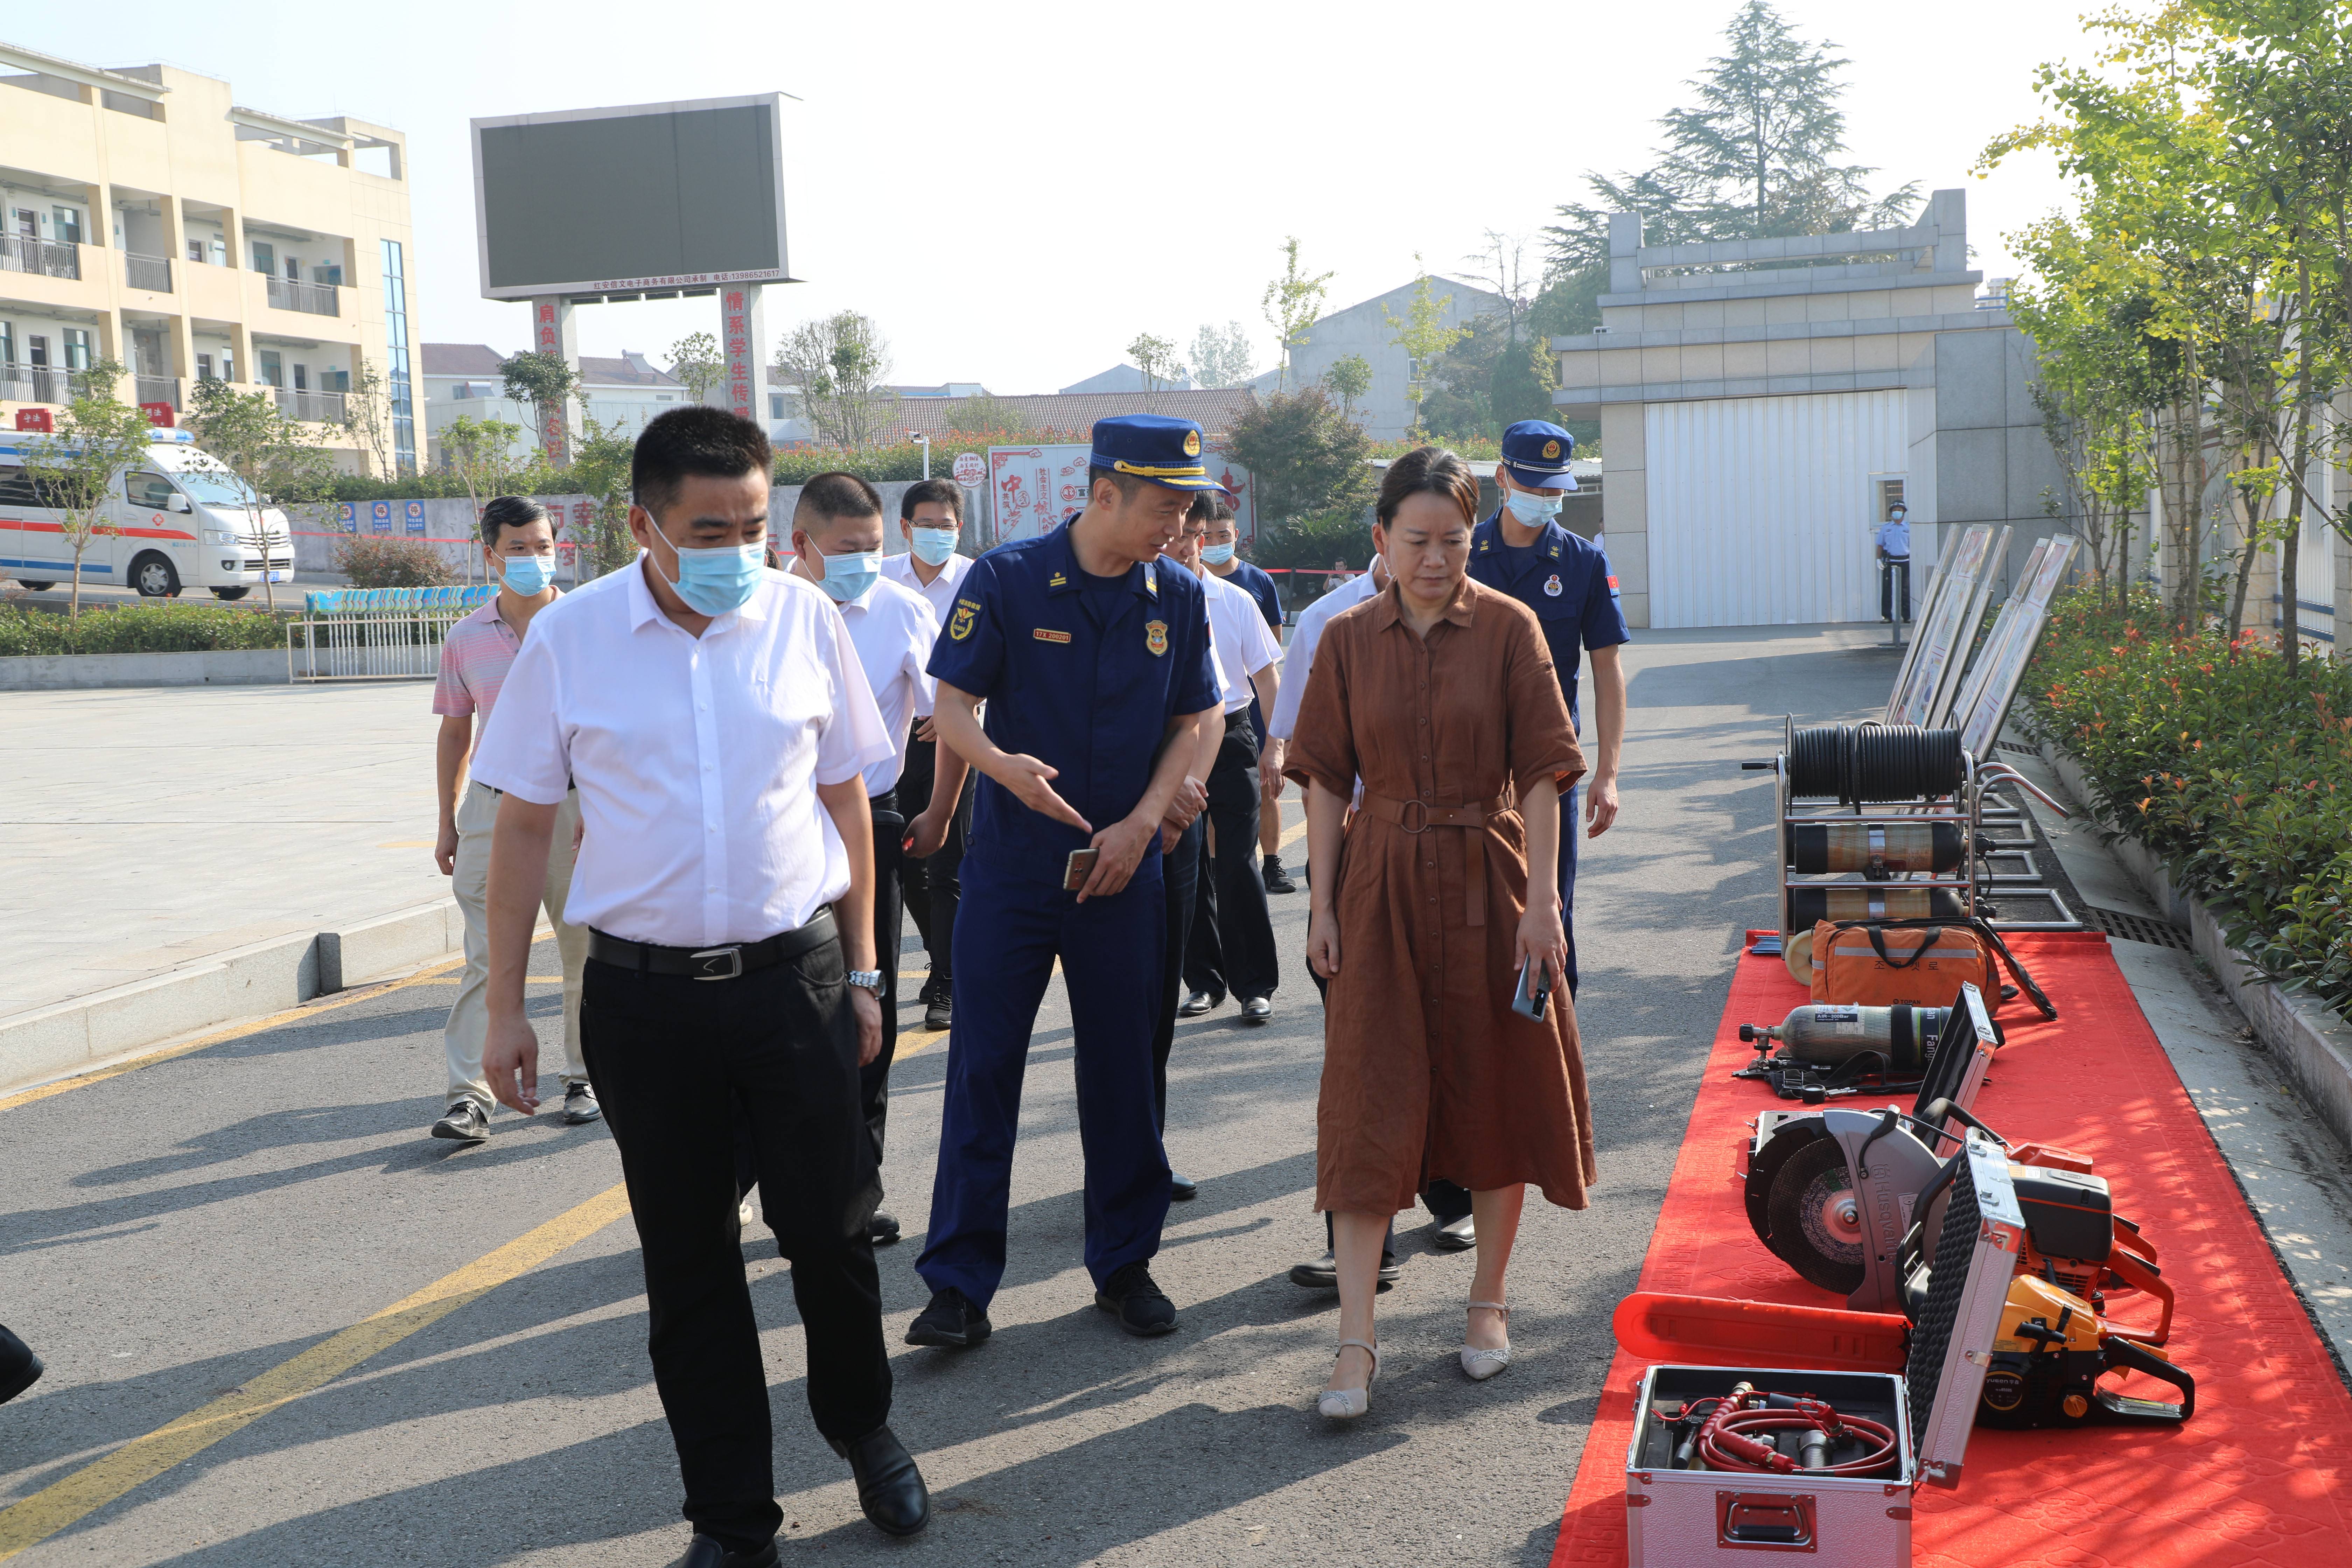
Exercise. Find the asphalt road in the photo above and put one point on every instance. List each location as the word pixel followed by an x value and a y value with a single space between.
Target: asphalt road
pixel 173 1234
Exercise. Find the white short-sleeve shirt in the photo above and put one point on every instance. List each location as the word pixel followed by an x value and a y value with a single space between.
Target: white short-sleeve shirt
pixel 1245 644
pixel 1283 723
pixel 697 759
pixel 940 592
pixel 893 629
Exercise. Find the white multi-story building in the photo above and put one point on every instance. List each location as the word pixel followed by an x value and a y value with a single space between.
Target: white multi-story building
pixel 151 220
pixel 462 382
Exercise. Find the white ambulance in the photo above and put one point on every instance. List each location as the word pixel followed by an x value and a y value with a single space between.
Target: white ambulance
pixel 177 519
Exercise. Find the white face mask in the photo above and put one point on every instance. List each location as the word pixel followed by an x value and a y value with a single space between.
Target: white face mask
pixel 1532 510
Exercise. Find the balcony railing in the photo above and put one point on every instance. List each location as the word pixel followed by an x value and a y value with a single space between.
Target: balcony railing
pixel 147 271
pixel 316 299
pixel 158 389
pixel 23 253
pixel 326 407
pixel 29 383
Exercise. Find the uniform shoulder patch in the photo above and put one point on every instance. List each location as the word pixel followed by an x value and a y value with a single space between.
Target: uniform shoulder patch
pixel 959 624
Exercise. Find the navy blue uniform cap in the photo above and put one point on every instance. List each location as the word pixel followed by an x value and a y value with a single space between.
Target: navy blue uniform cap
pixel 1155 447
pixel 1538 453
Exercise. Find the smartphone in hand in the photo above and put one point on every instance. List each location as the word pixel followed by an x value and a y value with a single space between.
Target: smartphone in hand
pixel 1535 990
pixel 1081 867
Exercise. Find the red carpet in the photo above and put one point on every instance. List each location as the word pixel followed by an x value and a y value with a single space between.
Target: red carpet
pixel 2262 1476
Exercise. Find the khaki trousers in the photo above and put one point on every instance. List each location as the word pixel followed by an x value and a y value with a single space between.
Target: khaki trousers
pixel 470 1018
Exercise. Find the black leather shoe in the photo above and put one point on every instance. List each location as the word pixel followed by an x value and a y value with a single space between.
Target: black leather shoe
pixel 1182 1189
pixel 1323 1273
pixel 1256 1009
pixel 465 1122
pixel 19 1367
pixel 1142 1306
pixel 889 1487
pixel 705 1552
pixel 1277 880
pixel 951 1321
pixel 938 1004
pixel 580 1107
pixel 1198 1003
pixel 1454 1235
pixel 882 1229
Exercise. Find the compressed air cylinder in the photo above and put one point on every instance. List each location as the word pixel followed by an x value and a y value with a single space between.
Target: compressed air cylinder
pixel 1827 1034
pixel 1818 847
pixel 1870 901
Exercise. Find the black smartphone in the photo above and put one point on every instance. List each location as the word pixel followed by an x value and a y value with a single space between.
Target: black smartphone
pixel 1531 997
pixel 1081 865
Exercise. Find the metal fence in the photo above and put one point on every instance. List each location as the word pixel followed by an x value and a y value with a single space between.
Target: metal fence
pixel 375 634
pixel 147 271
pixel 316 299
pixel 23 253
pixel 325 407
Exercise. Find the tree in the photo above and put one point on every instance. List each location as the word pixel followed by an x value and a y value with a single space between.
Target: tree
pixel 73 468
pixel 1291 302
pixel 1306 456
pixel 480 452
pixel 697 365
pixel 1348 378
pixel 1156 358
pixel 600 468
pixel 283 462
pixel 839 363
pixel 1423 334
pixel 984 415
pixel 1521 373
pixel 1222 359
pixel 546 382
pixel 367 416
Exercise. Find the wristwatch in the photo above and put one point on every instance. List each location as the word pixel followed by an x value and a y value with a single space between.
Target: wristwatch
pixel 867 980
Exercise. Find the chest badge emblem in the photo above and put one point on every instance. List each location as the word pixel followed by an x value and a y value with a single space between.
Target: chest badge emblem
pixel 959 624
pixel 1551 586
pixel 1155 637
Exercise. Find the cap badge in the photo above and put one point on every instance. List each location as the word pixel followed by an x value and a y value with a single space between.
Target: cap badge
pixel 1551 586
pixel 1155 636
pixel 1551 449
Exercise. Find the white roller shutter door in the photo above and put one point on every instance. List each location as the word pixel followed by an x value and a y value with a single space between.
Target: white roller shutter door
pixel 1760 508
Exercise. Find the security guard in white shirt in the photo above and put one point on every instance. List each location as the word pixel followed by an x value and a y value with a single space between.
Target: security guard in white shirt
pixel 1893 550
pixel 718 725
pixel 837 545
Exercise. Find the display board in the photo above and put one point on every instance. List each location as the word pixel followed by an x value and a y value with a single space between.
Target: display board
pixel 1033 490
pixel 2003 662
pixel 1939 701
pixel 655 196
pixel 1942 624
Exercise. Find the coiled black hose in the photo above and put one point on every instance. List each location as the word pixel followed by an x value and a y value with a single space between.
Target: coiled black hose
pixel 1855 764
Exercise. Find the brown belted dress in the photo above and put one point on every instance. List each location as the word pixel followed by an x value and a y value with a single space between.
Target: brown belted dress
pixel 1426 1070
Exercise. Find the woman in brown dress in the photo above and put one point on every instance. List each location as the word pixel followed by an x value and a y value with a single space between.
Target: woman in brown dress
pixel 1439 695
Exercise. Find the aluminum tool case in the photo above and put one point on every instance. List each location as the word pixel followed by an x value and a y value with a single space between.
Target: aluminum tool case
pixel 1679 1518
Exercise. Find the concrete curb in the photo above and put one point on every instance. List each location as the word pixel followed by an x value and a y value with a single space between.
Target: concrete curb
pixel 72 671
pixel 265 977
pixel 2308 1040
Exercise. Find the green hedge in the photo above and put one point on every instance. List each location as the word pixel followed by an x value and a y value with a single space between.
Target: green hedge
pixel 2231 767
pixel 141 628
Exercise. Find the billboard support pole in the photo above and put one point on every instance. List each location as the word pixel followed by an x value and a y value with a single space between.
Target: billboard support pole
pixel 742 329
pixel 554 331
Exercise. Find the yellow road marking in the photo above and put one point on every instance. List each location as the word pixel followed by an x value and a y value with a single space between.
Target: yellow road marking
pixel 61 1503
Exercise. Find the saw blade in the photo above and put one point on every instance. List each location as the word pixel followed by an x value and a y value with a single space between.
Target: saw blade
pixel 1816 1217
pixel 1764 1166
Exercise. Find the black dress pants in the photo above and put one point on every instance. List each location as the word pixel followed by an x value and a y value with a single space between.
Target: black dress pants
pixel 672 1057
pixel 1179 872
pixel 1231 949
pixel 933 885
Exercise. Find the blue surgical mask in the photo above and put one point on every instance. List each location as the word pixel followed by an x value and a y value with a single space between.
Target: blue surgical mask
pixel 934 545
pixel 1532 511
pixel 529 575
pixel 715 580
pixel 1216 554
pixel 849 578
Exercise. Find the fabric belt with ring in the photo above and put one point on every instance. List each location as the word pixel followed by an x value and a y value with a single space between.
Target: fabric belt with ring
pixel 1420 816
pixel 726 963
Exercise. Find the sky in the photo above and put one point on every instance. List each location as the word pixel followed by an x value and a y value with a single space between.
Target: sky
pixel 1014 191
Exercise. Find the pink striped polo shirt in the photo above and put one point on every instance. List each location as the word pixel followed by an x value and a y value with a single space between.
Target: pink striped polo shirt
pixel 474 658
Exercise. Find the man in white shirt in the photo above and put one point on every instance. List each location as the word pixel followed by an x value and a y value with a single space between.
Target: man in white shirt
pixel 837 545
pixel 930 520
pixel 1231 944
pixel 715 720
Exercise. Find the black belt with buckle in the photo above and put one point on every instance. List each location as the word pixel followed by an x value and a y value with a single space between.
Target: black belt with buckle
pixel 725 963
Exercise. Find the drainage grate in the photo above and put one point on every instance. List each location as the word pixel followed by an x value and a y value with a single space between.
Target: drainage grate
pixel 2140 928
pixel 2013 746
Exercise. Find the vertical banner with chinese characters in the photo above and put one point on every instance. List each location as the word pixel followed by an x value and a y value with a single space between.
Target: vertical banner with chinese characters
pixel 553 332
pixel 741 333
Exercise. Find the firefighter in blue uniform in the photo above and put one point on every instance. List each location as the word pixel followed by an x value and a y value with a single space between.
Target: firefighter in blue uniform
pixel 1093 659
pixel 1524 551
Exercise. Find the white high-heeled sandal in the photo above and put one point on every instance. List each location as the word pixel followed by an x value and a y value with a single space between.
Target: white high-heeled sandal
pixel 1346 1403
pixel 1482 1365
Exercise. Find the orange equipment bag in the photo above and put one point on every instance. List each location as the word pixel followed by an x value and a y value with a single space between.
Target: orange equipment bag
pixel 1923 962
